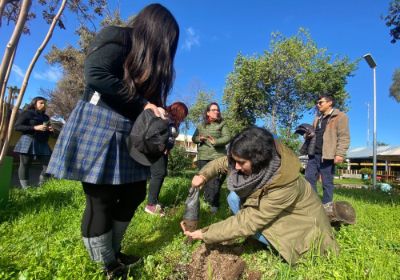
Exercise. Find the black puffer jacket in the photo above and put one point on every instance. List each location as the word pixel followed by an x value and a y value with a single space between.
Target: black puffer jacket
pixel 308 131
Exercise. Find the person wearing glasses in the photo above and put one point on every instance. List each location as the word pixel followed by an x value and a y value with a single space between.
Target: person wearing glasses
pixel 331 144
pixel 269 198
pixel 211 138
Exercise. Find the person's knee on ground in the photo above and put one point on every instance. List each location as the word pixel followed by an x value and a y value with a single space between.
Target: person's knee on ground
pixel 234 204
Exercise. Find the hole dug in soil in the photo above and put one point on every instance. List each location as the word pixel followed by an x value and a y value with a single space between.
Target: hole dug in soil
pixel 219 262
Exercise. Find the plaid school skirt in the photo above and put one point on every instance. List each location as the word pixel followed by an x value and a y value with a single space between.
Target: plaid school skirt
pixel 27 144
pixel 91 148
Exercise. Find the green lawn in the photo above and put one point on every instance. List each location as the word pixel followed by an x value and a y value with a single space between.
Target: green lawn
pixel 40 238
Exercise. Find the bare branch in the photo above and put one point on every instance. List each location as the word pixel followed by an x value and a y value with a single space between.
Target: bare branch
pixel 11 47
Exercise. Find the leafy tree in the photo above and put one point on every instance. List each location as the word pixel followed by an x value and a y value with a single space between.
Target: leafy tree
pixel 85 10
pixel 283 83
pixel 291 140
pixel 245 101
pixel 395 87
pixel 195 115
pixel 392 20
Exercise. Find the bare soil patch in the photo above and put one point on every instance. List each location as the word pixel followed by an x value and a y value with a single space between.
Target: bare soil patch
pixel 219 262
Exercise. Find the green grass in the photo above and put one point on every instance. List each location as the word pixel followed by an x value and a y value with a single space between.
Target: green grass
pixel 40 238
pixel 350 181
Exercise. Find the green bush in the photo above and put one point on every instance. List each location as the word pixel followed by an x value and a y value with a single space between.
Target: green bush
pixel 366 170
pixel 179 160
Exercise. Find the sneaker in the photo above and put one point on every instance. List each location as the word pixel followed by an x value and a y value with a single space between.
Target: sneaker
pixel 127 259
pixel 154 209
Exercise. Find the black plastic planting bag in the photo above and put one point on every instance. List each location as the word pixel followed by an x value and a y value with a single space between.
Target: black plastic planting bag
pixel 192 209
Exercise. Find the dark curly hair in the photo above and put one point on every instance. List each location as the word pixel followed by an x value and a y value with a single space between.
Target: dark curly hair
pixel 255 144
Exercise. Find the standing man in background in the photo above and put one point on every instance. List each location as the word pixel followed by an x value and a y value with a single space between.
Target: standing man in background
pixel 332 142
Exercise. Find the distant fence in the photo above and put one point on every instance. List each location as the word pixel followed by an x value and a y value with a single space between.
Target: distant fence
pixel 392 176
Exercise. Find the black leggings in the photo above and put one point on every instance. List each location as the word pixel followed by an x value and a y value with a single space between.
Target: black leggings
pixel 25 161
pixel 105 203
pixel 158 172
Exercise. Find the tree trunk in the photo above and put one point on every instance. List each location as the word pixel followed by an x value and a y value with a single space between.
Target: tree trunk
pixel 26 79
pixel 7 61
pixel 5 105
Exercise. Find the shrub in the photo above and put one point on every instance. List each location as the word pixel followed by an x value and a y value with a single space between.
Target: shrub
pixel 179 160
pixel 366 170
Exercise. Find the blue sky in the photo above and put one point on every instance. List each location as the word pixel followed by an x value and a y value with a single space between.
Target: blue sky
pixel 214 32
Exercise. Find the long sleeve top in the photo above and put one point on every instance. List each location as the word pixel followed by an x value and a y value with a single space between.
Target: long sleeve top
pixel 104 72
pixel 206 150
pixel 30 118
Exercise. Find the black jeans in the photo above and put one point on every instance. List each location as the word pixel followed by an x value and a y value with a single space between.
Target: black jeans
pixel 158 172
pixel 105 203
pixel 213 187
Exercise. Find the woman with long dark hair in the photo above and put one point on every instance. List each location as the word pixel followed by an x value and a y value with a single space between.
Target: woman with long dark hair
pixel 127 70
pixel 33 144
pixel 270 199
pixel 211 138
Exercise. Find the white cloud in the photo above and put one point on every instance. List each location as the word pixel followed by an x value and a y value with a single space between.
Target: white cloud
pixel 192 39
pixel 18 71
pixel 51 74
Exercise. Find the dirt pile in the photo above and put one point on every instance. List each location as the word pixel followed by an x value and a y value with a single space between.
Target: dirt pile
pixel 216 262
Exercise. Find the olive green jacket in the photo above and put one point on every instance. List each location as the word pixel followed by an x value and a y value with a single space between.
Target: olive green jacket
pixel 206 150
pixel 286 210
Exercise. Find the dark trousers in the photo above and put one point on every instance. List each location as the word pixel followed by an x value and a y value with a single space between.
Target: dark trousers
pixel 158 172
pixel 326 168
pixel 213 187
pixel 108 203
pixel 25 162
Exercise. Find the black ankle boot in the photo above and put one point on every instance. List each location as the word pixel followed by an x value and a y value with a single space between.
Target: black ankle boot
pixel 127 259
pixel 116 270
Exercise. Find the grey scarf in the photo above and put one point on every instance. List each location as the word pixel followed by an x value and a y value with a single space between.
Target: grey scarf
pixel 244 185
